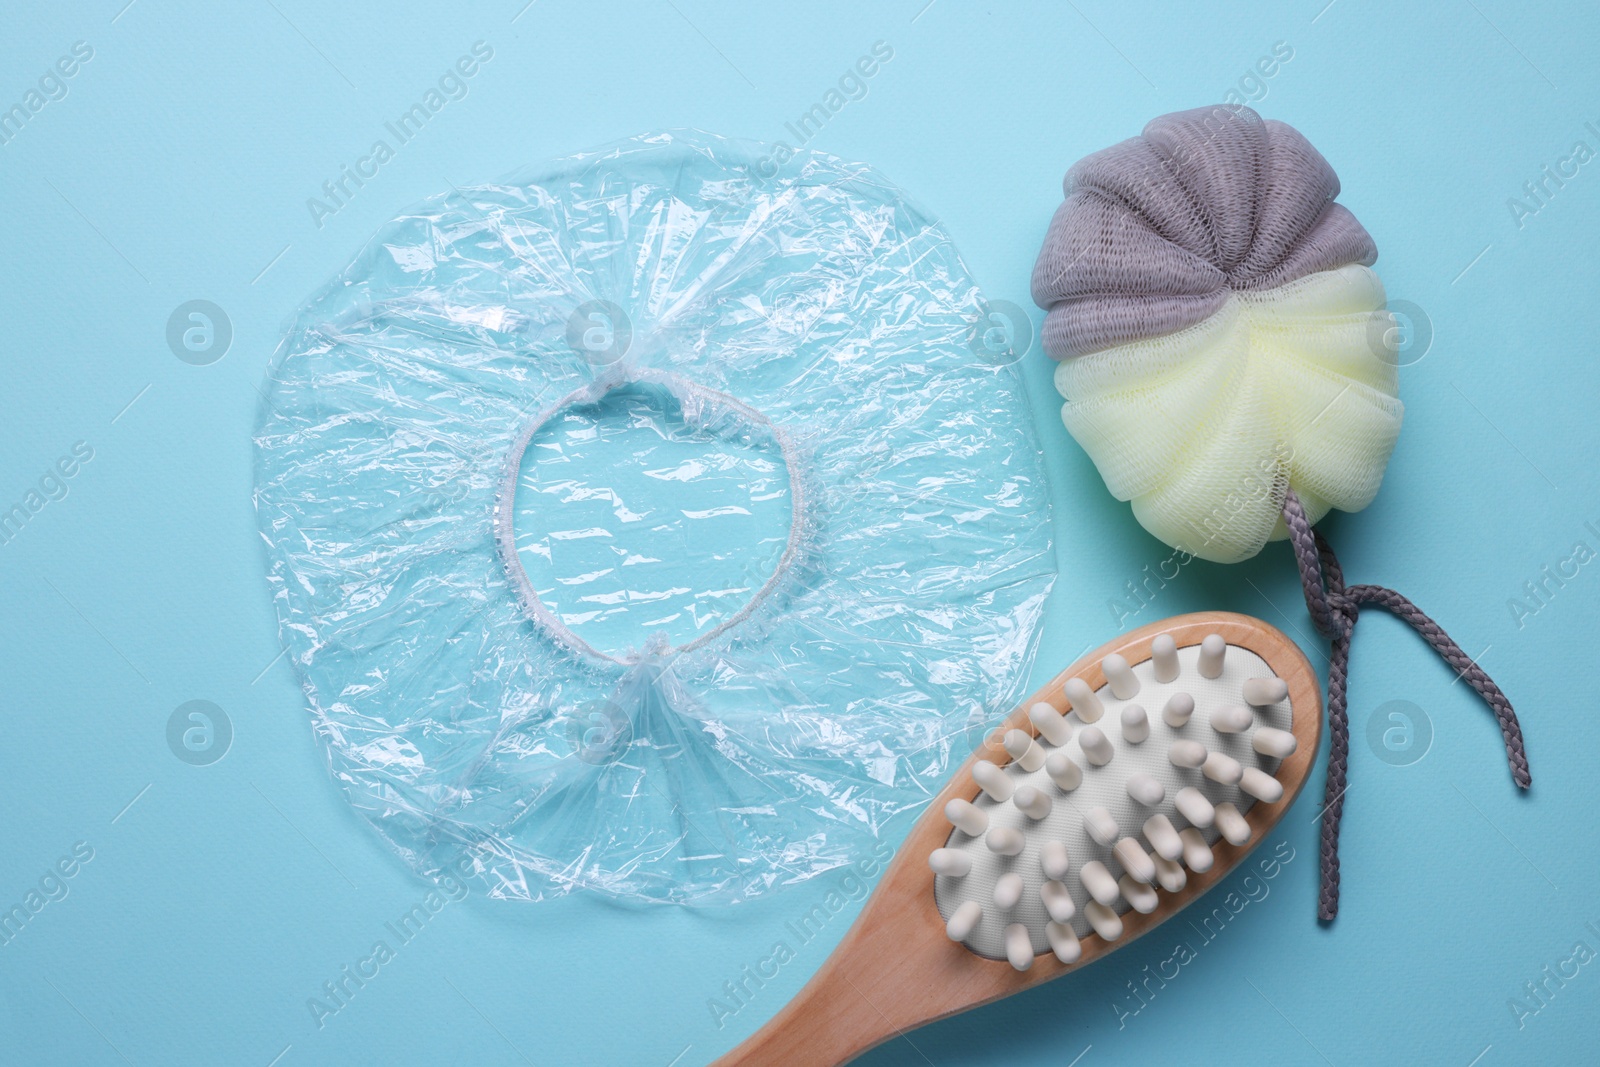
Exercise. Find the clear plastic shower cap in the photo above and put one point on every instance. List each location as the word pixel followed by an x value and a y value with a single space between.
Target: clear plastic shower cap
pixel 651 526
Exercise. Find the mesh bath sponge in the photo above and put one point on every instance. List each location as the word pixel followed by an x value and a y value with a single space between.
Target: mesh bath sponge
pixel 1229 365
pixel 1221 336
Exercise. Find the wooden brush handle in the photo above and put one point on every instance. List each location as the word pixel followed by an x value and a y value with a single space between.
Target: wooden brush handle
pixel 842 1012
pixel 894 970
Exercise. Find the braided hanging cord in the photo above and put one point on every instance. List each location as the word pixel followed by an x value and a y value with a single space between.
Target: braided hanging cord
pixel 1334 609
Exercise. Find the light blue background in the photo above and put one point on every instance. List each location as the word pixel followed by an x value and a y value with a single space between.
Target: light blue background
pixel 220 898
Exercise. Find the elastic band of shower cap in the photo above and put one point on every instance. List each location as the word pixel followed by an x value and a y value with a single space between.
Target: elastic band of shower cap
pixel 552 631
pixel 698 402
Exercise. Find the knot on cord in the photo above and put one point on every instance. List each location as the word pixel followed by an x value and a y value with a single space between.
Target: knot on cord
pixel 1334 610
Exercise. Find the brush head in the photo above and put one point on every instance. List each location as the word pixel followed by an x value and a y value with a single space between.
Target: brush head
pixel 1146 803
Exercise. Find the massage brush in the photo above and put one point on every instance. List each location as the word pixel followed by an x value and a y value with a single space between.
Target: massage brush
pixel 1112 798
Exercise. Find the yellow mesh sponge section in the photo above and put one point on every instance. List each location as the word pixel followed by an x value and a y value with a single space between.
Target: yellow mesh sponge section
pixel 1204 429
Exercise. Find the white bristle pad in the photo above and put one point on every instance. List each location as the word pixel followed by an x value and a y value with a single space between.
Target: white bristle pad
pixel 966 817
pixel 1232 824
pixel 1054 861
pixel 1058 901
pixel 1085 703
pixel 1063 942
pixel 1135 860
pixel 1019 946
pixel 1213 654
pixel 1124 684
pixel 1163 837
pixel 1164 658
pixel 1146 790
pixel 1007 891
pixel 1103 920
pixel 1024 750
pixel 1232 719
pixel 1135 724
pixel 1076 786
pixel 994 782
pixel 1034 803
pixel 1278 744
pixel 1193 806
pixel 1259 692
pixel 1197 854
pixel 1102 826
pixel 1097 747
pixel 1187 754
pixel 963 921
pixel 1261 785
pixel 950 862
pixel 1175 713
pixel 1005 840
pixel 1051 724
pixel 1141 898
pixel 1170 874
pixel 1063 770
pixel 1098 883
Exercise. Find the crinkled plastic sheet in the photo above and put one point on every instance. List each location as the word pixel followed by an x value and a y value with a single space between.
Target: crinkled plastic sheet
pixel 647 525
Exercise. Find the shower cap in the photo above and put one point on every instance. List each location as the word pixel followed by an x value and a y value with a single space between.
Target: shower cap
pixel 649 523
pixel 1221 336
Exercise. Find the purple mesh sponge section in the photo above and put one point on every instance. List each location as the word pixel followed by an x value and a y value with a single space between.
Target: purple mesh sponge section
pixel 1157 230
